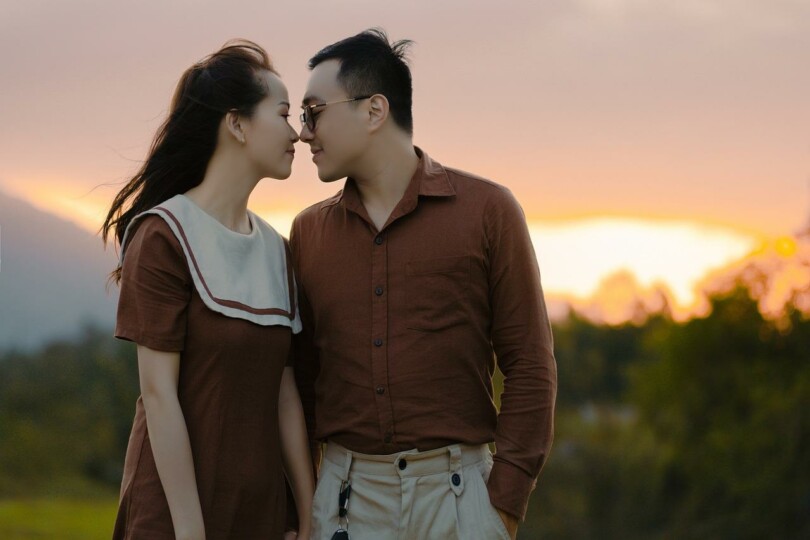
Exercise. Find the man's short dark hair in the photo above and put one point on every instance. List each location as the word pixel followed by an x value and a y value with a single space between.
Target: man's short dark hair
pixel 370 64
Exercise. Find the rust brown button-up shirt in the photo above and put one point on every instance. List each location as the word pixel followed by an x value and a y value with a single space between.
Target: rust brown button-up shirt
pixel 400 326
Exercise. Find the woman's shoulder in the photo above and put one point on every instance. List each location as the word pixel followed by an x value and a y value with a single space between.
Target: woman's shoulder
pixel 150 224
pixel 151 235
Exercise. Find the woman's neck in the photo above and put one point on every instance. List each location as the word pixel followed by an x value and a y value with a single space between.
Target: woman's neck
pixel 224 193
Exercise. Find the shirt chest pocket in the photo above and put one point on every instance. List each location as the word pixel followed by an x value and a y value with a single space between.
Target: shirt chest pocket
pixel 437 292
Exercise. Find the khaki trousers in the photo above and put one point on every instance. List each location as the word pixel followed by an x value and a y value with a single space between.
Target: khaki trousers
pixel 435 495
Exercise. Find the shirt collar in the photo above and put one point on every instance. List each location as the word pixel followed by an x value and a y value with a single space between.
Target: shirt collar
pixel 429 180
pixel 432 178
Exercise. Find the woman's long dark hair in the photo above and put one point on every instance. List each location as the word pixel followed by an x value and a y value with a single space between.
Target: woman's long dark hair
pixel 223 81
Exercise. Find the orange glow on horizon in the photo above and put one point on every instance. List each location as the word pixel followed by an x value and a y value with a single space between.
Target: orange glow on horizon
pixel 617 261
pixel 611 269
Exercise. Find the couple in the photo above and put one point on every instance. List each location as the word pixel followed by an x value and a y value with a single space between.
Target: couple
pixel 361 352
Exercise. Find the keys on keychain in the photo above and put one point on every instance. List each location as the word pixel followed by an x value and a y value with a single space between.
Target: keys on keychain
pixel 343 511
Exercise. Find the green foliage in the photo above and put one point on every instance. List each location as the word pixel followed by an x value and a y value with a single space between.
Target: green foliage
pixel 605 479
pixel 65 414
pixel 663 430
pixel 668 430
pixel 29 519
pixel 730 395
pixel 591 359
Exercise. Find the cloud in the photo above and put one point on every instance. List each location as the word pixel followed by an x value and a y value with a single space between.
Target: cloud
pixel 581 107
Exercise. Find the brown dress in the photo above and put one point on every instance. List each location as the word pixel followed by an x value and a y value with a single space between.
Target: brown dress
pixel 230 371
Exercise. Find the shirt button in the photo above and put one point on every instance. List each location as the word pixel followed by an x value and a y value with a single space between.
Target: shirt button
pixel 456 479
pixel 378 291
pixel 378 342
pixel 378 239
pixel 388 438
pixel 402 464
pixel 381 390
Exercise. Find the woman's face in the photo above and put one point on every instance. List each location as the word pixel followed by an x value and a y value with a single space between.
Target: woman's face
pixel 269 137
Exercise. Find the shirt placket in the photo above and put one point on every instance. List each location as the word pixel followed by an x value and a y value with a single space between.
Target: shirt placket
pixel 379 336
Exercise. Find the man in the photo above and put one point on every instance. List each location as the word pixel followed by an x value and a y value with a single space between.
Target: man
pixel 410 279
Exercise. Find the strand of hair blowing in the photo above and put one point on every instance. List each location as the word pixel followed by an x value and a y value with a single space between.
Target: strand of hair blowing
pixel 183 145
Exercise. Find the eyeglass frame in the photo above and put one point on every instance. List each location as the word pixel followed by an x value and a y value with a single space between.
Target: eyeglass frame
pixel 309 108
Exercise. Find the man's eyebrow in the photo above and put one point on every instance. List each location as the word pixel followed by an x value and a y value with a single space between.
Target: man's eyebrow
pixel 310 99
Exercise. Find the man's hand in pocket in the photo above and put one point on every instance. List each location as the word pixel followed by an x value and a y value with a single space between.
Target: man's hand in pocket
pixel 510 522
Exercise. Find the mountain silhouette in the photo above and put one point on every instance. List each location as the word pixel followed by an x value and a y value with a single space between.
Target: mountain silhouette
pixel 53 277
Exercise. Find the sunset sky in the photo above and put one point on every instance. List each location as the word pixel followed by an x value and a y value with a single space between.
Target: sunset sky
pixel 657 139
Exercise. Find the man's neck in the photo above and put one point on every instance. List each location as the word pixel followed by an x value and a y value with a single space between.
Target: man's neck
pixel 387 174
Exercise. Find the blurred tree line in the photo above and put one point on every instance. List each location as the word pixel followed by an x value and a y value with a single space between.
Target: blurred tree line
pixel 664 429
pixel 680 430
pixel 65 416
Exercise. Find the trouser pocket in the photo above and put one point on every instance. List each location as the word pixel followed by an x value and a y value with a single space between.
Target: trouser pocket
pixel 477 518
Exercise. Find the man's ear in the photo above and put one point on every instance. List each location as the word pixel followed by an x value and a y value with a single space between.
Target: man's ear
pixel 378 109
pixel 234 124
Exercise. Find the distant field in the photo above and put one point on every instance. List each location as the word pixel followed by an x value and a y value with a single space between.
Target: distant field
pixel 57 519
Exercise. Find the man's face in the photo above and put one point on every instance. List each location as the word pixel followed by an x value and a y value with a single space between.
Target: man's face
pixel 340 135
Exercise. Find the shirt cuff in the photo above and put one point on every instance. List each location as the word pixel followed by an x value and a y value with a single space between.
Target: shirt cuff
pixel 156 343
pixel 509 489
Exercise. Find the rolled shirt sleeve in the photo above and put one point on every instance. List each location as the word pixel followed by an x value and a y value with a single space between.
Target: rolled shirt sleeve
pixel 522 341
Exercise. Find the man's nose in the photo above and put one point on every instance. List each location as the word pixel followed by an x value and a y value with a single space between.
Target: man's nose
pixel 306 134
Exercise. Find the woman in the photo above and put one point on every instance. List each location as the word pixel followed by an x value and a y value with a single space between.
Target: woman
pixel 208 296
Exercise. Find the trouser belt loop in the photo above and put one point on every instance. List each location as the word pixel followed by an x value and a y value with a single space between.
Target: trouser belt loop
pixel 455 475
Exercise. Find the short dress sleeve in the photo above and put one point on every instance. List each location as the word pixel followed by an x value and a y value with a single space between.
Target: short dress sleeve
pixel 155 288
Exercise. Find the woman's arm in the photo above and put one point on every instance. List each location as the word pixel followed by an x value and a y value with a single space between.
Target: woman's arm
pixel 295 450
pixel 159 372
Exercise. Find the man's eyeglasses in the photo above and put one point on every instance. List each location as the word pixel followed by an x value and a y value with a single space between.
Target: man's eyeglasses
pixel 308 117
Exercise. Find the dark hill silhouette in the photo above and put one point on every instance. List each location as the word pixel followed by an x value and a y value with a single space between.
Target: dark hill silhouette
pixel 52 277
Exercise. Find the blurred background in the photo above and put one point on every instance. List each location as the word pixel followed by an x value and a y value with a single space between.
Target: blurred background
pixel 659 150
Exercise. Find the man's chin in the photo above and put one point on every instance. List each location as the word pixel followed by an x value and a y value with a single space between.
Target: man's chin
pixel 328 177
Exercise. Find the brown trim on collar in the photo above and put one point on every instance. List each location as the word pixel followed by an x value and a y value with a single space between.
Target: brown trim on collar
pixel 231 303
